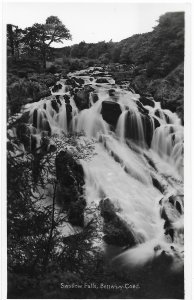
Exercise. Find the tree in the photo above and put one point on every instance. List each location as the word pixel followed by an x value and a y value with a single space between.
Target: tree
pixel 14 39
pixel 39 37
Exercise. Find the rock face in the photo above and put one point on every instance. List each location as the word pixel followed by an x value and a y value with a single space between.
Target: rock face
pixel 110 112
pixel 81 98
pixel 70 178
pixel 147 101
pixel 116 230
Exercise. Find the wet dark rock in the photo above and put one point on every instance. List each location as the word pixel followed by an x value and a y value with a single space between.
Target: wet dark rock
pixel 172 200
pixel 72 82
pixel 70 177
pixel 151 162
pixel 67 99
pixel 158 185
pixel 169 212
pixel 147 101
pixel 55 105
pixel 159 113
pixel 116 230
pixel 178 207
pixel 59 102
pixel 141 108
pixel 110 112
pixel 81 98
pixel 148 129
pixel 78 80
pixel 56 87
pixel 95 97
pixel 107 209
pixel 23 133
pixel 34 118
pixel 170 232
pixel 111 92
pixel 101 80
pixel 69 113
pixel 156 123
pixel 178 202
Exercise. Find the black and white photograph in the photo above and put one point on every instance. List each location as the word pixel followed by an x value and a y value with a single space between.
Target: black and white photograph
pixel 95 149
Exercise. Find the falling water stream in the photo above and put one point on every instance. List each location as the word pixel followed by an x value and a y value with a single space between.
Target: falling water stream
pixel 120 170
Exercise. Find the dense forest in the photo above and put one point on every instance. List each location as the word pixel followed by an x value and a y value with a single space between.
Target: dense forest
pixel 39 256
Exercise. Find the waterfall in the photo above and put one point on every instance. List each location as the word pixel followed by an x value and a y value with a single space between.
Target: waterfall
pixel 168 143
pixel 135 195
pixel 142 143
pixel 121 126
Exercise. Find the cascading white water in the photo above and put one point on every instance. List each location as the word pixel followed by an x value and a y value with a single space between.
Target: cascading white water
pixel 168 143
pixel 120 130
pixel 119 170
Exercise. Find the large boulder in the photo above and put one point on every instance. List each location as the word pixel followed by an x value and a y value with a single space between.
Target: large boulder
pixel 110 112
pixel 81 98
pixel 70 178
pixel 116 230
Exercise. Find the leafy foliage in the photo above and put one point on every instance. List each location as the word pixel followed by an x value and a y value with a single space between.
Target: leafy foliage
pixel 36 40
